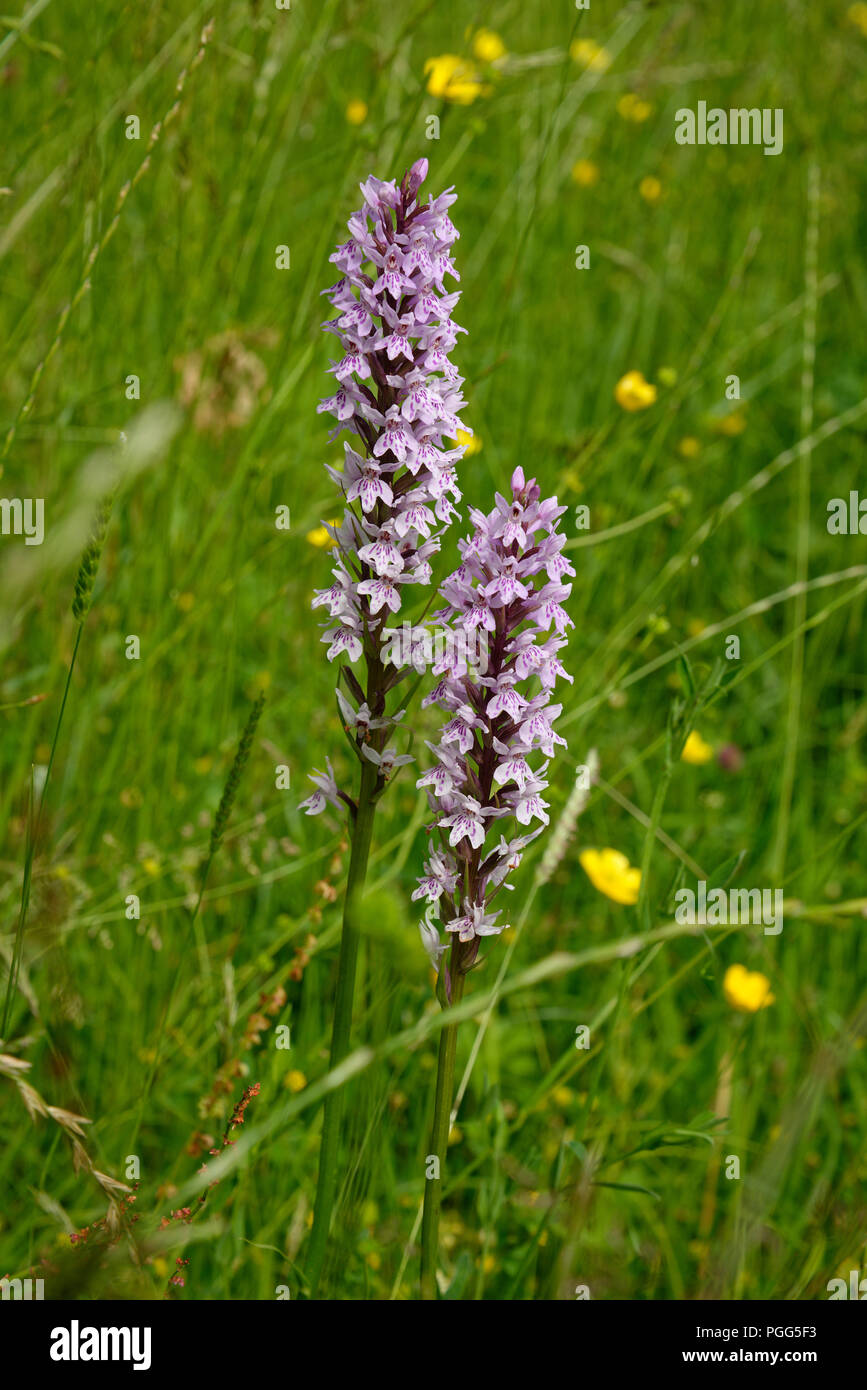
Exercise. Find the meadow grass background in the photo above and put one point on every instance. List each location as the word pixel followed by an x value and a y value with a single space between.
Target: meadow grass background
pixel 706 280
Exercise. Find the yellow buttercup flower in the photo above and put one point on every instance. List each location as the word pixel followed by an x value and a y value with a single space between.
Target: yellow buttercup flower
pixel 747 990
pixel 633 392
pixel 689 447
pixel 611 872
pixel 585 173
pixel 321 537
pixel 732 424
pixel 634 108
pixel 590 55
pixel 455 79
pixel 295 1081
pixel 857 15
pixel 356 111
pixel 488 46
pixel 650 189
pixel 696 750
pixel 470 443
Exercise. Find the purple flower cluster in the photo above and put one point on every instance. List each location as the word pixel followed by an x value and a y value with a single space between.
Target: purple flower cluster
pixel 399 394
pixel 511 583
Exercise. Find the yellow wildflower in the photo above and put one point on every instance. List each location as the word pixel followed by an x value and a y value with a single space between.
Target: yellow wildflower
pixel 747 990
pixel 321 537
pixel 356 111
pixel 633 392
pixel 590 55
pixel 732 424
pixel 258 685
pixel 634 108
pixel 455 79
pixel 585 173
pixel 857 15
pixel 295 1081
pixel 610 872
pixel 650 189
pixel 689 447
pixel 488 46
pixel 696 750
pixel 471 443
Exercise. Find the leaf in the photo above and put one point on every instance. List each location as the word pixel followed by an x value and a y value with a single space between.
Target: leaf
pixel 630 1187
pixel 463 1269
pixel 726 871
pixel 707 1117
pixel 686 676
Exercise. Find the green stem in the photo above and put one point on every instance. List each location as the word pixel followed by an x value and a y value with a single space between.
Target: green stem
pixel 31 848
pixel 332 1122
pixel 433 1192
pixel 648 847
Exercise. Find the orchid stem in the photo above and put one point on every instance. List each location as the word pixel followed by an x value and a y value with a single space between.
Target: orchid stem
pixel 433 1192
pixel 332 1122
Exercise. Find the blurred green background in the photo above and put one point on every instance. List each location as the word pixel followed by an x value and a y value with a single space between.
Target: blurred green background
pixel 556 127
